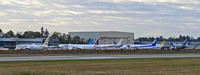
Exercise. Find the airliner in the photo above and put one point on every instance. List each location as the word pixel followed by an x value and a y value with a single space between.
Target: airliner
pixel 159 46
pixel 88 46
pixel 177 46
pixel 94 46
pixel 110 46
pixel 133 46
pixel 74 46
pixel 34 46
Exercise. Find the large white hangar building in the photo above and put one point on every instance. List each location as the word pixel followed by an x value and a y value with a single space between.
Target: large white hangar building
pixel 106 37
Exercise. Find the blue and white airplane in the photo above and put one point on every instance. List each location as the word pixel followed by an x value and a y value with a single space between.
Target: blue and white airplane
pixel 133 46
pixel 78 46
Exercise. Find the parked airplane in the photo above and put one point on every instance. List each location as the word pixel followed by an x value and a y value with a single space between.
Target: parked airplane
pixel 110 46
pixel 74 46
pixel 94 46
pixel 159 46
pixel 2 48
pixel 34 46
pixel 133 46
pixel 176 46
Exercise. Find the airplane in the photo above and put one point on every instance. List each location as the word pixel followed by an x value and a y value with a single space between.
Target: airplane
pixel 94 46
pixel 133 46
pixel 44 46
pixel 189 46
pixel 159 46
pixel 91 41
pixel 2 48
pixel 114 42
pixel 88 46
pixel 176 46
pixel 73 46
pixel 110 46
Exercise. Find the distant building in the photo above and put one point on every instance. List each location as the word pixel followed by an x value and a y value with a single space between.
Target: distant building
pixel 106 37
pixel 12 42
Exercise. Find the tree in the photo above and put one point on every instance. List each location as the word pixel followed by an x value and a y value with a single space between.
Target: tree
pixel 1 33
pixel 198 39
pixel 9 34
pixel 31 34
pixel 19 35
pixel 88 40
pixel 42 31
pixel 180 37
pixel 56 35
pixel 76 40
pixel 82 41
pixel 64 39
pixel 161 38
pixel 69 40
pixel 36 35
pixel 46 33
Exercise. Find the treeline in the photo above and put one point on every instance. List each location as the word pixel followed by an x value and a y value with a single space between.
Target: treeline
pixel 180 38
pixel 26 34
pixel 66 39
pixel 44 33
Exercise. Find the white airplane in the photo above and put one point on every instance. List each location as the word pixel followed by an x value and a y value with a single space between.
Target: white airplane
pixel 34 46
pixel 110 46
pixel 159 46
pixel 79 46
pixel 2 48
pixel 184 45
pixel 91 46
pixel 133 46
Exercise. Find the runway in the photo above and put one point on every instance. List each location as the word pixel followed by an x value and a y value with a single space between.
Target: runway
pixel 47 58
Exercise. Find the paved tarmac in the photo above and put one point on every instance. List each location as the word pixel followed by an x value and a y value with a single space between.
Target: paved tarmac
pixel 46 58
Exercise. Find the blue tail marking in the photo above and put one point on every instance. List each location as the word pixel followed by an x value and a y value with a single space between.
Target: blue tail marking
pixel 90 42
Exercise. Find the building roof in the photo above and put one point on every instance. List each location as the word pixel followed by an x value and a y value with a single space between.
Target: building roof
pixel 21 39
pixel 101 32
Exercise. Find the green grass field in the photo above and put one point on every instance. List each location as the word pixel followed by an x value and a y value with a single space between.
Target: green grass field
pixel 161 66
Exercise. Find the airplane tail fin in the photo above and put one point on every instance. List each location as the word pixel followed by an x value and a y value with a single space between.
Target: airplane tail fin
pixel 90 42
pixel 140 43
pixel 46 41
pixel 155 42
pixel 185 42
pixel 171 43
pixel 120 42
pixel 163 43
pixel 189 42
pixel 97 41
pixel 114 42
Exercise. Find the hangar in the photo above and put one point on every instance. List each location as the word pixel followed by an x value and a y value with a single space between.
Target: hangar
pixel 12 42
pixel 106 37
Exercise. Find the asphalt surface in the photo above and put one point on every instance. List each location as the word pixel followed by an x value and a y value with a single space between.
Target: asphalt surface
pixel 46 58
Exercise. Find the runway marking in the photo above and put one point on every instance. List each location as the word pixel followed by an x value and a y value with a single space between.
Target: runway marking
pixel 46 58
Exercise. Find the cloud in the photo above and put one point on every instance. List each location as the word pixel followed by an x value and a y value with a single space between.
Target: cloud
pixel 198 20
pixel 144 17
pixel 186 8
pixel 103 12
pixel 156 1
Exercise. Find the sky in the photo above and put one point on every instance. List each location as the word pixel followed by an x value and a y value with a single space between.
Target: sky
pixel 145 18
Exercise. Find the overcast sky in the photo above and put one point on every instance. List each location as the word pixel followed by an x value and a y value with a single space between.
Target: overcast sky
pixel 143 17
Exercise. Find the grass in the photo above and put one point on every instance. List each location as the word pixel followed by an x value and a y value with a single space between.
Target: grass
pixel 22 55
pixel 158 66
